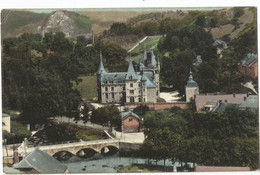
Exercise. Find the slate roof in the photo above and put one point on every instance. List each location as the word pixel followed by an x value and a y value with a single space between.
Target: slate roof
pixel 191 82
pixel 131 74
pixel 250 102
pixel 201 100
pixel 10 170
pixel 147 82
pixel 125 114
pixel 249 59
pixel 154 62
pixel 101 68
pixel 222 106
pixel 115 77
pixel 41 162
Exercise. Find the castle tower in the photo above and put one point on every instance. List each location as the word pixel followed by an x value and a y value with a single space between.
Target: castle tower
pixel 131 84
pixel 100 72
pixel 191 88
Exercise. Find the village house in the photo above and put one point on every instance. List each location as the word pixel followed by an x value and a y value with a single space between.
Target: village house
pixel 139 84
pixel 130 122
pixel 249 65
pixel 202 101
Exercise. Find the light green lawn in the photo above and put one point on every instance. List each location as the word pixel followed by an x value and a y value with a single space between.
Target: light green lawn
pixel 87 87
pixel 148 43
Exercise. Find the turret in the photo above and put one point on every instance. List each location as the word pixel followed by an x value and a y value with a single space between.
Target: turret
pixel 191 88
pixel 101 68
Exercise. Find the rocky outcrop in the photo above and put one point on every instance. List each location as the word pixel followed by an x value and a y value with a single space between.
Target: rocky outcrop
pixel 61 21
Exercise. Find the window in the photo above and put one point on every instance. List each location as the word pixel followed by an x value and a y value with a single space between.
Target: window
pixel 130 119
pixel 144 99
pixel 225 101
pixel 132 99
pixel 113 95
pixel 131 84
pixel 139 99
pixel 123 88
pixel 131 77
pixel 131 91
pixel 106 88
pixel 139 85
pixel 157 93
pixel 112 88
pixel 139 92
pixel 106 96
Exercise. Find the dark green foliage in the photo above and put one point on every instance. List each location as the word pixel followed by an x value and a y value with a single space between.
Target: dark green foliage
pixel 113 55
pixel 178 66
pixel 36 82
pixel 213 139
pixel 119 29
pixel 87 57
pixel 238 11
pixel 18 132
pixel 104 114
pixel 141 110
pixel 201 21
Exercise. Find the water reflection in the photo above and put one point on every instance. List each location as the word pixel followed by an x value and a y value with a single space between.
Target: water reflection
pixel 106 163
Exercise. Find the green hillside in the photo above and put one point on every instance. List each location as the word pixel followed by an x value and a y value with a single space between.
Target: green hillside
pixel 12 20
pixel 82 21
pixel 150 42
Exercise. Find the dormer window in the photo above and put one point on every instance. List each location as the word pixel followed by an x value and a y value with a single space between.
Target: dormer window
pixel 131 77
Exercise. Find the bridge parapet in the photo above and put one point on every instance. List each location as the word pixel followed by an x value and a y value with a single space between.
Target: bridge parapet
pixel 75 147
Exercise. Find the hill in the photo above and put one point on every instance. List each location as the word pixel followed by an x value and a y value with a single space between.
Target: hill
pixel 70 23
pixel 15 23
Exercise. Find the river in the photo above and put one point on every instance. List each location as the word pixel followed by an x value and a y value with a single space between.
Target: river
pixel 107 164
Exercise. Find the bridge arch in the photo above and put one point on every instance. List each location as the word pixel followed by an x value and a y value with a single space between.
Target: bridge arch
pixel 62 155
pixel 108 150
pixel 86 152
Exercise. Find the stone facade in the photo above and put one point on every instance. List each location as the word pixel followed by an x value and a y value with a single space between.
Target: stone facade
pixel 135 85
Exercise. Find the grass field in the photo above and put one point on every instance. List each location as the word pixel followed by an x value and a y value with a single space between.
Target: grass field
pixel 150 42
pixel 87 87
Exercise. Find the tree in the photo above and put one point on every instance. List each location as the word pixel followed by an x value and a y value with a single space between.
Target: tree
pixel 104 114
pixel 141 110
pixel 201 21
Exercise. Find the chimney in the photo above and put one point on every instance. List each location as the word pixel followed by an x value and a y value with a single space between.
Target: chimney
pixel 16 156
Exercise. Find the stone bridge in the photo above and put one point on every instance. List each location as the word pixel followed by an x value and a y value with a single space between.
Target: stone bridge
pixel 73 148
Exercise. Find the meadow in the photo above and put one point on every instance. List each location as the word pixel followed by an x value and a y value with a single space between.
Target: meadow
pixel 87 87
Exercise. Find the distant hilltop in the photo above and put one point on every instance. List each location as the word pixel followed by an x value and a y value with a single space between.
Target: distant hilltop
pixel 70 23
pixel 15 23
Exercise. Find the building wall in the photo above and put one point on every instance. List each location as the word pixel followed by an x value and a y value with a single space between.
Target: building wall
pixel 157 106
pixel 190 92
pixel 251 70
pixel 107 91
pixel 151 95
pixel 6 123
pixel 130 123
pixel 133 91
pixel 202 99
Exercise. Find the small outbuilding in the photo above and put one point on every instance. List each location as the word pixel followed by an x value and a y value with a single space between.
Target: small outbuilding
pixel 130 122
pixel 39 162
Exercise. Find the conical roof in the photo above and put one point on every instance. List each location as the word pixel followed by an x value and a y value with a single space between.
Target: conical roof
pixel 131 74
pixel 191 82
pixel 101 68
